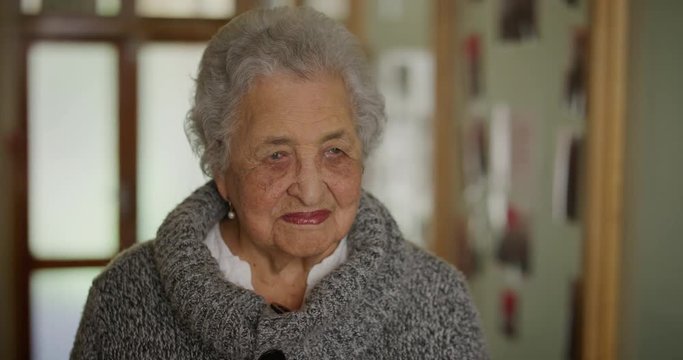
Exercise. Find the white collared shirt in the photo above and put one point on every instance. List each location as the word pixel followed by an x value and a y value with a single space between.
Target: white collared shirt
pixel 238 271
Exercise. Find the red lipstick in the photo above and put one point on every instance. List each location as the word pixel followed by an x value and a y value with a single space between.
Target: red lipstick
pixel 307 218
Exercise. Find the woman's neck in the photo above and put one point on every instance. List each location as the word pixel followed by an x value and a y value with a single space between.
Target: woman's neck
pixel 276 276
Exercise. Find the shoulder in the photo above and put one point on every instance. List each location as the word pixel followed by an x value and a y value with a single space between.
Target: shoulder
pixel 433 276
pixel 115 302
pixel 435 300
pixel 429 265
pixel 131 272
pixel 138 257
pixel 130 292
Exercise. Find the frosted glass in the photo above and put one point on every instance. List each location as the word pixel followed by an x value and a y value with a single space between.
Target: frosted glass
pixel 57 300
pixel 73 160
pixel 168 170
pixel 100 7
pixel 336 9
pixel 276 3
pixel 107 7
pixel 31 7
pixel 186 8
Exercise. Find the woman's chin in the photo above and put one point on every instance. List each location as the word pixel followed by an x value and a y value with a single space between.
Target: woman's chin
pixel 307 243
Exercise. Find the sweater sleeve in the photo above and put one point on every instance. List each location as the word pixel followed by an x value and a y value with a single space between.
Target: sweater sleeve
pixel 463 337
pixel 437 309
pixel 88 339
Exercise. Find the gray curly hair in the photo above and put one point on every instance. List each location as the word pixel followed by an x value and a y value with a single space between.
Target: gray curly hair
pixel 262 42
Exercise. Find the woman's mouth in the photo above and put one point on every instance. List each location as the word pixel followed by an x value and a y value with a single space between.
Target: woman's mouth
pixel 307 218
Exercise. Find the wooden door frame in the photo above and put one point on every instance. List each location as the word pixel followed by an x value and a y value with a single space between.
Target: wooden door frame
pixel 607 84
pixel 603 224
pixel 447 181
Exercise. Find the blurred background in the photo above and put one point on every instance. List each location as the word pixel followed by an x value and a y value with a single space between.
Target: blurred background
pixel 535 144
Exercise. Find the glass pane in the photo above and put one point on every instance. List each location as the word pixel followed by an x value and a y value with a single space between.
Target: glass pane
pixel 99 7
pixel 186 8
pixel 276 3
pixel 73 160
pixel 31 7
pixel 107 7
pixel 168 170
pixel 57 300
pixel 336 9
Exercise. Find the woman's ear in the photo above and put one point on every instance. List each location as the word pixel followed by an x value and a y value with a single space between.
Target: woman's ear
pixel 222 186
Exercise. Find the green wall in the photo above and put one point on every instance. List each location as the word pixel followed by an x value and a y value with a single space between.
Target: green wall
pixel 529 77
pixel 411 29
pixel 652 312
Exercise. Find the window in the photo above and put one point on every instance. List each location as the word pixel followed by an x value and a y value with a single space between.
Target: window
pixel 99 77
pixel 73 162
pixel 162 183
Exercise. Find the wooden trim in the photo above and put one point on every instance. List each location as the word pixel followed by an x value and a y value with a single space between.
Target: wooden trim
pixel 20 189
pixel 127 142
pixel 127 10
pixel 356 20
pixel 605 177
pixel 61 264
pixel 447 186
pixel 244 5
pixel 88 27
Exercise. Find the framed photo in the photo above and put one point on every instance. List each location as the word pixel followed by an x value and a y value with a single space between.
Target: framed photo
pixel 517 20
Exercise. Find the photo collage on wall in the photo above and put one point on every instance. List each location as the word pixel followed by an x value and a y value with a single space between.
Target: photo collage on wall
pixel 503 148
pixel 517 20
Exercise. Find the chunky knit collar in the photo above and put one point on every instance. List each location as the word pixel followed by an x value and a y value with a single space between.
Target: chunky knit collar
pixel 226 316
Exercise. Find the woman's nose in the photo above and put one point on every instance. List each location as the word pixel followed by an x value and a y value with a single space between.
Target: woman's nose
pixel 308 185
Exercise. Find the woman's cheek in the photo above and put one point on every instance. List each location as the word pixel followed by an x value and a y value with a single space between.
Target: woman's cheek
pixel 269 177
pixel 344 174
pixel 343 166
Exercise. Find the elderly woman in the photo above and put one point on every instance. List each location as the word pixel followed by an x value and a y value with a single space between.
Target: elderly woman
pixel 282 255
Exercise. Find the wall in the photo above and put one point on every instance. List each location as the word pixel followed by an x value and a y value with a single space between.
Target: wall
pixel 409 27
pixel 7 124
pixel 529 77
pixel 652 315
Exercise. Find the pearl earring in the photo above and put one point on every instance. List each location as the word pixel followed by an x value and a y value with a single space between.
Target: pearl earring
pixel 231 211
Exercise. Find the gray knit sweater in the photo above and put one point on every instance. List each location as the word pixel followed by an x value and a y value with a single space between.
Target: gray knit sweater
pixel 166 299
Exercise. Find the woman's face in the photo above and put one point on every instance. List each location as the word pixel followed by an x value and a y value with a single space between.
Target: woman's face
pixel 296 164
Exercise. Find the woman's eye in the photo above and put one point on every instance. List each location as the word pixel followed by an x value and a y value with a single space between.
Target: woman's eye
pixel 333 151
pixel 278 155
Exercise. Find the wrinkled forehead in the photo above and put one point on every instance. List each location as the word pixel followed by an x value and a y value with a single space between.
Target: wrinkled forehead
pixel 287 107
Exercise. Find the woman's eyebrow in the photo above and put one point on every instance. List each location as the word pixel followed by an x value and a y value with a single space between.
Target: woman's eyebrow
pixel 334 135
pixel 277 140
pixel 284 140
